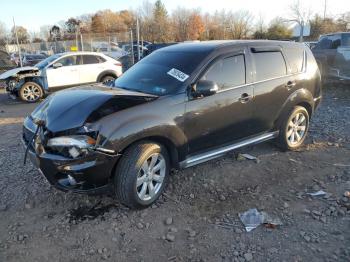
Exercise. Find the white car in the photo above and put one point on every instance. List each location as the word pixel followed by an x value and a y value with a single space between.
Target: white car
pixel 60 71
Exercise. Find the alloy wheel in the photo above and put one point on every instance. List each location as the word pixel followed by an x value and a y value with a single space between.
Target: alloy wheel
pixel 31 92
pixel 296 129
pixel 150 177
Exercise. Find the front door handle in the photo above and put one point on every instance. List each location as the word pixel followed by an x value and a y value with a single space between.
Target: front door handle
pixel 290 84
pixel 245 98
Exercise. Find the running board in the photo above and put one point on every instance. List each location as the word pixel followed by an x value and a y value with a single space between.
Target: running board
pixel 197 159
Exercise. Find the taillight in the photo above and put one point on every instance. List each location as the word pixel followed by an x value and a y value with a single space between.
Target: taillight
pixel 118 64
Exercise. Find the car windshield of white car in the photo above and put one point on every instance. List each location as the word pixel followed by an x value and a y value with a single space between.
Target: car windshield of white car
pixel 47 61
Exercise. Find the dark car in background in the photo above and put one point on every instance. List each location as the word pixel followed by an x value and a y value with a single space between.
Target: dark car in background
pixel 6 62
pixel 32 59
pixel 179 106
pixel 153 47
pixel 332 53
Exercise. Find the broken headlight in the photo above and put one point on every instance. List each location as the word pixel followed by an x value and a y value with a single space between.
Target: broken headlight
pixel 74 146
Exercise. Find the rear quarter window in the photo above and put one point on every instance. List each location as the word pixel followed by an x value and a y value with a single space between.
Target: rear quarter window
pixel 295 57
pixel 90 59
pixel 269 65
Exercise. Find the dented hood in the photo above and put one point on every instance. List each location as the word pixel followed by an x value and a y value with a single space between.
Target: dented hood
pixel 71 108
pixel 14 72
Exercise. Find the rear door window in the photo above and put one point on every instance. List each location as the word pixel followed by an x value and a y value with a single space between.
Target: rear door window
pixel 227 72
pixel 269 65
pixel 295 57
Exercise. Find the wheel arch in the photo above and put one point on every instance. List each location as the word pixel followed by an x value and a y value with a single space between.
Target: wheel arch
pixel 301 97
pixel 164 141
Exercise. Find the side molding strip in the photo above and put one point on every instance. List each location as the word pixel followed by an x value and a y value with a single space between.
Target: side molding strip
pixel 197 159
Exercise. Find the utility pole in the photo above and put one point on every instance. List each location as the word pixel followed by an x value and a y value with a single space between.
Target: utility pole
pixel 19 48
pixel 325 10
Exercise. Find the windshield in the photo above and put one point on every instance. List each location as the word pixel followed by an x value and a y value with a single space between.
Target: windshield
pixel 47 61
pixel 160 73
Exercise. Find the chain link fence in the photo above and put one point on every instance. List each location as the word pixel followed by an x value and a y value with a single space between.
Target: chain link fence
pixel 116 45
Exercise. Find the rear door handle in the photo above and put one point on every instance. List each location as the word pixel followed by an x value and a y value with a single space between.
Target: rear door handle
pixel 290 84
pixel 245 98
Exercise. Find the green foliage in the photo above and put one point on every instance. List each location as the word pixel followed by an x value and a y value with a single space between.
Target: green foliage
pixel 278 30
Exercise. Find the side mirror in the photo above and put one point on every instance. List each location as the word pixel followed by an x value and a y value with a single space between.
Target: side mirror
pixel 57 65
pixel 205 88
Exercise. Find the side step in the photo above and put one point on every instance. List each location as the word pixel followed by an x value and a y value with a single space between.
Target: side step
pixel 197 159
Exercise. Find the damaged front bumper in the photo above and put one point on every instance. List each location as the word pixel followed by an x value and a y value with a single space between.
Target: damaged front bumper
pixel 88 174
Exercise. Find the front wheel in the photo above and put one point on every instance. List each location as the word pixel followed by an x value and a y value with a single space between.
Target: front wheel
pixel 141 174
pixel 294 129
pixel 31 92
pixel 107 80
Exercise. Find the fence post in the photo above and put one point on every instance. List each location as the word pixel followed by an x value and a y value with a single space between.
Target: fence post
pixel 138 38
pixel 82 43
pixel 132 48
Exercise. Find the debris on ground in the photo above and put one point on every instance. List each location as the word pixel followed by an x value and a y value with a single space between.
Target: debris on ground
pixel 241 157
pixel 295 161
pixel 252 218
pixel 318 193
pixel 347 193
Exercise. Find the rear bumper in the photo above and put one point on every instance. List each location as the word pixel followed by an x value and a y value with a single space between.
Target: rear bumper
pixel 88 175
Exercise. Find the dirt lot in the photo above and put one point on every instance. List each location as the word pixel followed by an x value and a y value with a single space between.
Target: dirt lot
pixel 197 219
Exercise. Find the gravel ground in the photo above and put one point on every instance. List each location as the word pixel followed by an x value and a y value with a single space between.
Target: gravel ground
pixel 197 218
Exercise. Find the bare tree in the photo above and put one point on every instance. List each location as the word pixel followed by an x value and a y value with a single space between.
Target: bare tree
pixel 301 15
pixel 239 24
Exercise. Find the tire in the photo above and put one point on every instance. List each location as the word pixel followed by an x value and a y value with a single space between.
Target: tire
pixel 133 185
pixel 292 136
pixel 31 92
pixel 107 79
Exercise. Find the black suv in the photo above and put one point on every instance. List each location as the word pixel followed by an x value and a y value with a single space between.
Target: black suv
pixel 178 107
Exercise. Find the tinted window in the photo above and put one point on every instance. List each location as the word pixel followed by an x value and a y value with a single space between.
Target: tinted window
pixel 325 43
pixel 227 72
pixel 295 58
pixel 336 41
pixel 161 73
pixel 90 59
pixel 68 61
pixel 269 65
pixel 346 40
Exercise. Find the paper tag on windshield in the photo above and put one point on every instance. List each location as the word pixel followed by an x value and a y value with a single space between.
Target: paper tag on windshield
pixel 178 74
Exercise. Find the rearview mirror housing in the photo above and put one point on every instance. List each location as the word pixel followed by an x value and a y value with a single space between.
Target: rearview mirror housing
pixel 204 88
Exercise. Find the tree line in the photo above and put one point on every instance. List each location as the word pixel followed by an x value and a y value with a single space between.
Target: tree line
pixel 182 24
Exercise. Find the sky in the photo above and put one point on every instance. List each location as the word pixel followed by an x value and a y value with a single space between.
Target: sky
pixel 34 13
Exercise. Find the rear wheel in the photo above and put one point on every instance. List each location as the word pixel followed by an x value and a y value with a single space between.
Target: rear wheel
pixel 294 129
pixel 141 174
pixel 31 92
